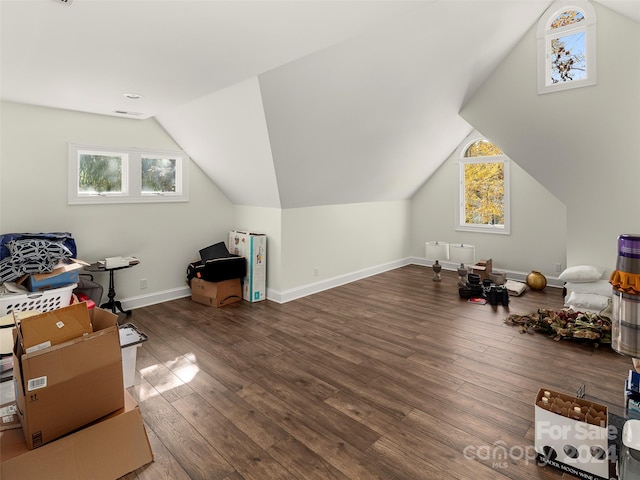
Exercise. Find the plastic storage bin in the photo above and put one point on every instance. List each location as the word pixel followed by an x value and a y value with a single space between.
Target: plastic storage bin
pixel 44 301
pixel 130 340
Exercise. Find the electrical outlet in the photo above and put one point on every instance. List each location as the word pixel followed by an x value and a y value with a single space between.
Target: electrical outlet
pixel 558 267
pixel 316 271
pixel 143 283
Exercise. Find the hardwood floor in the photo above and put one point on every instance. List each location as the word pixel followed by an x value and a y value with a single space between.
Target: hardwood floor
pixel 391 377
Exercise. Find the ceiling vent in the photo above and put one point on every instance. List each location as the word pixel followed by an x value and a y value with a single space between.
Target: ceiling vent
pixel 124 112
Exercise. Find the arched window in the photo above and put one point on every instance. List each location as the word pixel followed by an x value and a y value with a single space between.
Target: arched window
pixel 483 195
pixel 567 46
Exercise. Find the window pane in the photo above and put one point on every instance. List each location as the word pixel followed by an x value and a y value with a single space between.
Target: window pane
pixel 484 193
pixel 99 173
pixel 568 59
pixel 482 148
pixel 567 18
pixel 158 175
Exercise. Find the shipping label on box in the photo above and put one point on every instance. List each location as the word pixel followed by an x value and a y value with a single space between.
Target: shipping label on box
pixel 66 386
pixel 9 416
pixel 572 435
pixel 252 246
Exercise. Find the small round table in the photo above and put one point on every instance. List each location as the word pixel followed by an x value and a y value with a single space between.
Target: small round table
pixel 113 304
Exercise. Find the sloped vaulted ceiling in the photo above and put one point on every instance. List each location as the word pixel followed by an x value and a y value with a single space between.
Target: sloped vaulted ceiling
pixel 282 103
pixel 372 118
pixel 365 120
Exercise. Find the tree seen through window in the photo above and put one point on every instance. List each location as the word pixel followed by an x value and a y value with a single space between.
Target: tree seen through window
pixel 158 175
pixel 484 185
pixel 100 173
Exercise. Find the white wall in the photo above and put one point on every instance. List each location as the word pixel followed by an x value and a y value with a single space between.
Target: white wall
pixel 343 242
pixel 165 237
pixel 582 144
pixel 226 134
pixel 538 222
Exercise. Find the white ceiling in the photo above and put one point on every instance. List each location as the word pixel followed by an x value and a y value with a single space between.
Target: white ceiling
pixel 359 99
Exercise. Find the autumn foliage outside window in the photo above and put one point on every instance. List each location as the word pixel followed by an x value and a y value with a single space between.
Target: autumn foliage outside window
pixel 484 187
pixel 566 40
pixel 568 52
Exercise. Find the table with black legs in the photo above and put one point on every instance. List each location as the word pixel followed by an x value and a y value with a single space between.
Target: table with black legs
pixel 114 305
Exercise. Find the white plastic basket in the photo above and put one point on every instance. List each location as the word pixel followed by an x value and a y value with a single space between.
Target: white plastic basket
pixel 42 301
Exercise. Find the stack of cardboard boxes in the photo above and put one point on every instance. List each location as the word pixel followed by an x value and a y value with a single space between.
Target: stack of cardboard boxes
pixel 216 280
pixel 77 421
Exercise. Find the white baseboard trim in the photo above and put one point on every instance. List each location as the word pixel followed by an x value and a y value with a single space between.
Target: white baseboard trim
pixel 317 287
pixel 310 289
pixel 154 298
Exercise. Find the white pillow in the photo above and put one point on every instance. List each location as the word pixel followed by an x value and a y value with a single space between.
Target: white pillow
pixel 599 287
pixel 582 273
pixel 588 301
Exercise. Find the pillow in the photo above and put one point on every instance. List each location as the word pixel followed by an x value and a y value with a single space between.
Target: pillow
pixel 599 287
pixel 588 301
pixel 582 273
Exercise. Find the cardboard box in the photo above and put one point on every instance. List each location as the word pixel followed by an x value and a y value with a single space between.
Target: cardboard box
pixel 54 327
pixel 252 246
pixel 37 282
pixel 65 273
pixel 578 446
pixel 483 268
pixel 110 448
pixel 216 294
pixel 9 416
pixel 64 387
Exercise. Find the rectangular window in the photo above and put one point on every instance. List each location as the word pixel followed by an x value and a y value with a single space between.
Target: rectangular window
pixel 483 197
pixel 567 58
pixel 126 175
pixel 159 175
pixel 101 173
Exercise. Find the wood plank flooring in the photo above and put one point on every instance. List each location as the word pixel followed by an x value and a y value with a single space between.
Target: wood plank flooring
pixel 392 377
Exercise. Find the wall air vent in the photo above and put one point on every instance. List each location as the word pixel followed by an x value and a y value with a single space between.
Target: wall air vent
pixel 130 114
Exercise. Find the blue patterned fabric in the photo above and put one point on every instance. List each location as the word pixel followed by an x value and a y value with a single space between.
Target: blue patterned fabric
pixel 65 237
pixel 32 253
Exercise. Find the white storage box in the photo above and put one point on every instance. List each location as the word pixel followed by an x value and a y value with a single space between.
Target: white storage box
pixel 130 340
pixel 571 441
pixel 43 301
pixel 252 246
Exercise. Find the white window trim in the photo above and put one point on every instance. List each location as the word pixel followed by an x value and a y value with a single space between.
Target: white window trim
pixel 132 182
pixel 545 34
pixel 460 225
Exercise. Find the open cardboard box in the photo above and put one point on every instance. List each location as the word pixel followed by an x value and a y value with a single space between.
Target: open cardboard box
pixel 67 386
pixel 577 447
pixel 54 327
pixel 109 448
